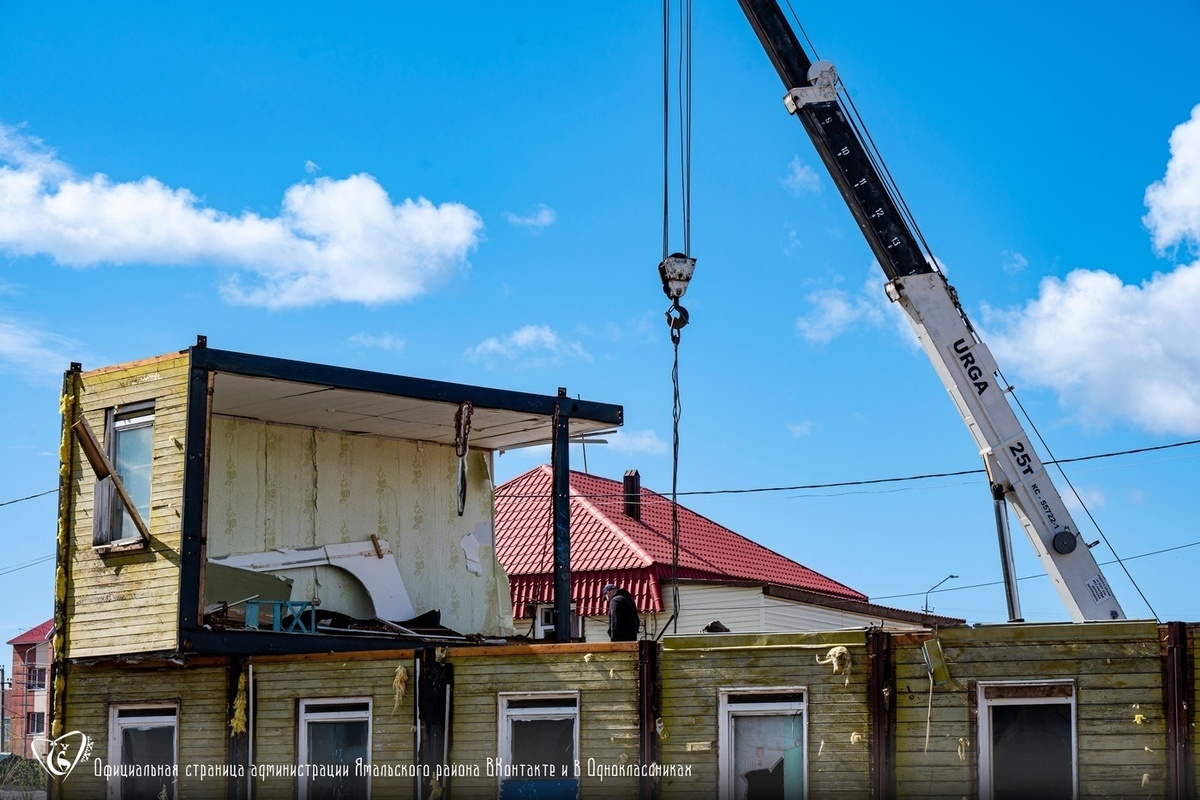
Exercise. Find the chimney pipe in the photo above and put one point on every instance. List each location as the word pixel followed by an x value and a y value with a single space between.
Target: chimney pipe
pixel 633 494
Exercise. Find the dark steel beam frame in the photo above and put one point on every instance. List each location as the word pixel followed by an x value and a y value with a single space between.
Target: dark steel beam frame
pixel 206 362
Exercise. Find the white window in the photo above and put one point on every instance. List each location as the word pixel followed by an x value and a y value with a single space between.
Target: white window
pixel 35 722
pixel 334 734
pixel 129 444
pixel 762 736
pixel 1027 740
pixel 143 736
pixel 539 741
pixel 35 678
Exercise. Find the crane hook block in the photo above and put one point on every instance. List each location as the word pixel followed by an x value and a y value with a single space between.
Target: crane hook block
pixel 675 271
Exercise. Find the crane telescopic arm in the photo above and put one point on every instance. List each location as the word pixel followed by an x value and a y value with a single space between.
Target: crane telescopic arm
pixel 960 358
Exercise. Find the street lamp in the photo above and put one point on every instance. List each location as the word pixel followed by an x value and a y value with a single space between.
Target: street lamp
pixel 925 608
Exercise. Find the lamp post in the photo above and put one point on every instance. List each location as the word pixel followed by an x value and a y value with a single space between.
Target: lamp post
pixel 925 608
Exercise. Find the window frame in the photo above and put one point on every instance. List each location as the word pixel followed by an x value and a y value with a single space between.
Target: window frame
pixel 1021 696
pixel 305 715
pixel 507 714
pixel 117 725
pixel 110 501
pixel 739 701
pixel 35 716
pixel 35 678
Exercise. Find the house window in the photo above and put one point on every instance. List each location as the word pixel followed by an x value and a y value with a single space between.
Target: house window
pixel 539 744
pixel 335 732
pixel 129 440
pixel 35 678
pixel 1027 739
pixel 143 736
pixel 762 735
pixel 35 723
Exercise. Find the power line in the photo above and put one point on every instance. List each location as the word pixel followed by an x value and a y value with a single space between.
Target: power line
pixel 896 479
pixel 26 564
pixel 29 497
pixel 1033 577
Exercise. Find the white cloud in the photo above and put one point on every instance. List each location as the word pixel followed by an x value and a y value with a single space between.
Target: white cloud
pixel 1111 350
pixel 1114 351
pixel 387 341
pixel 636 442
pixel 1092 499
pixel 311 166
pixel 836 311
pixel 1013 262
pixel 535 345
pixel 333 240
pixel 39 354
pixel 543 217
pixel 1174 202
pixel 800 177
pixel 798 429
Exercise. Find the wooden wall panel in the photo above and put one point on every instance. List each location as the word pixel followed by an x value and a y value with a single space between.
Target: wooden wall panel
pixel 1115 668
pixel 694 668
pixel 129 602
pixel 202 727
pixel 607 684
pixel 278 689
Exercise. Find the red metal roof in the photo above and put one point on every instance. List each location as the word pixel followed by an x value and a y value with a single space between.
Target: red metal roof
pixel 35 635
pixel 608 546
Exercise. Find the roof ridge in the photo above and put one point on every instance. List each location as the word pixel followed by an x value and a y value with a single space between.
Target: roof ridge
pixel 609 523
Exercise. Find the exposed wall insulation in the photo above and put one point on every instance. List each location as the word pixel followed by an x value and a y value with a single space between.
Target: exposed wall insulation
pixel 275 486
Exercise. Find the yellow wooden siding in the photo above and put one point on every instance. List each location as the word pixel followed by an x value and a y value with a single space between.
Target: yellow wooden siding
pixel 1117 674
pixel 125 603
pixel 201 732
pixel 608 719
pixel 279 687
pixel 695 667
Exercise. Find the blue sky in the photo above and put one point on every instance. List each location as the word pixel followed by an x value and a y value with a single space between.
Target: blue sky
pixel 471 192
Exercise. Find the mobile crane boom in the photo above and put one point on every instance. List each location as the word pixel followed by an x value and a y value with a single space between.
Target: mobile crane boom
pixel 961 359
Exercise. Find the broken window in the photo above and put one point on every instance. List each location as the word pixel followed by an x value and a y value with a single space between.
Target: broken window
pixel 334 734
pixel 539 744
pixel 129 446
pixel 1027 736
pixel 762 735
pixel 145 737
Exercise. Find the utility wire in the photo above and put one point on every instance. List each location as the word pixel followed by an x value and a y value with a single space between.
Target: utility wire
pixel 897 479
pixel 1035 576
pixel 28 497
pixel 26 564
